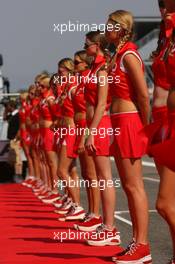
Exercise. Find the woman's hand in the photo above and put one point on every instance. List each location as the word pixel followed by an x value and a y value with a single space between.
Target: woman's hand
pixel 81 147
pixel 90 143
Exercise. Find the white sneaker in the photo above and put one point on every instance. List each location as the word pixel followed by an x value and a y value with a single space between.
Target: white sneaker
pixel 65 208
pixel 75 213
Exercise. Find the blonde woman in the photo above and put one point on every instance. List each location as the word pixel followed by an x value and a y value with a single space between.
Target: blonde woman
pixel 71 208
pixel 47 137
pixel 24 133
pixel 130 112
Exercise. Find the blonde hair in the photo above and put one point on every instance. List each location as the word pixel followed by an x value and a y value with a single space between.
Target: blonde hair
pixel 98 37
pixel 45 81
pixel 84 57
pixel 31 87
pixel 67 63
pixel 24 95
pixel 126 22
pixel 39 76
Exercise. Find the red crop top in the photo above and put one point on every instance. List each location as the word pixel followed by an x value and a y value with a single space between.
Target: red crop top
pixel 159 68
pixel 55 107
pixel 45 111
pixel 91 91
pixel 24 111
pixel 67 109
pixel 79 103
pixel 170 64
pixel 123 89
pixel 34 114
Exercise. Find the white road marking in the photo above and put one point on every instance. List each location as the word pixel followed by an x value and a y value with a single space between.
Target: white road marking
pixel 127 212
pixel 151 179
pixel 148 164
pixel 123 219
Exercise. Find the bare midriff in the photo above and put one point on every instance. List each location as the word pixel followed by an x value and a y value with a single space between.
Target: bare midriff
pixel 45 123
pixel 120 105
pixel 160 96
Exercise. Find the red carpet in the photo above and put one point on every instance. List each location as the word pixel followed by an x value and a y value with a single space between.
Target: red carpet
pixel 27 233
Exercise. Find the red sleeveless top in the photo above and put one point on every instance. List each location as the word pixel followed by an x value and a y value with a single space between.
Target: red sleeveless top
pixel 79 103
pixel 44 108
pixel 123 88
pixel 91 86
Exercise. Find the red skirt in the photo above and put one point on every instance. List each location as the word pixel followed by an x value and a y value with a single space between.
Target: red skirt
pixel 158 129
pixel 67 139
pixel 131 142
pixel 25 136
pixel 35 137
pixel 47 139
pixel 102 137
pixel 164 152
pixel 159 113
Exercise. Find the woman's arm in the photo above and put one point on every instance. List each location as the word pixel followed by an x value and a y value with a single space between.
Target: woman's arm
pixel 136 75
pixel 102 99
pixel 100 108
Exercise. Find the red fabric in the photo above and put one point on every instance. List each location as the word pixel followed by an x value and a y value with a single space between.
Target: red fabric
pixel 91 86
pixel 27 233
pixel 159 69
pixel 67 108
pixel 169 25
pixel 158 129
pixel 160 113
pixel 102 140
pixel 25 136
pixel 55 109
pixel 164 152
pixel 69 138
pixel 79 102
pixel 132 140
pixel 123 89
pixel 24 111
pixel 170 62
pixel 35 137
pixel 34 113
pixel 45 111
pixel 47 139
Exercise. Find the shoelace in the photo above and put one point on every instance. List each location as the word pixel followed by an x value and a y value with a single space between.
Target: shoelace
pixel 131 244
pixel 67 203
pixel 132 249
pixel 88 217
pixel 71 210
pixel 63 198
pixel 100 228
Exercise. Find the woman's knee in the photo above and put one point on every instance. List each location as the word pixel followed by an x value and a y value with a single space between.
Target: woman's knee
pixel 165 208
pixel 62 173
pixel 133 188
